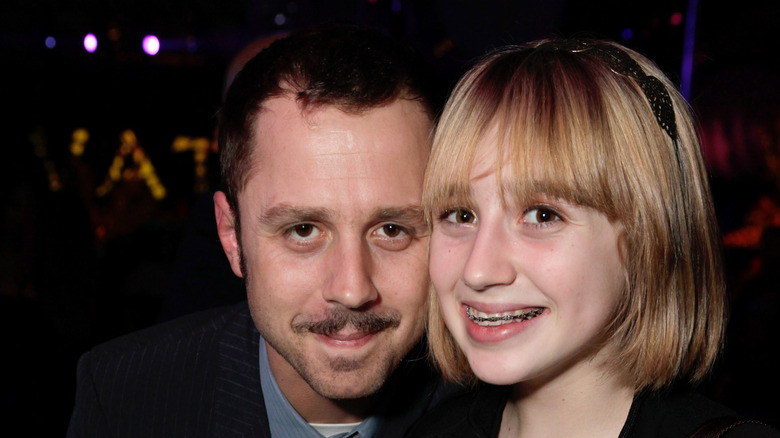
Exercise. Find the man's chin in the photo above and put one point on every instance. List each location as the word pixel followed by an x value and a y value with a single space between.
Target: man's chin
pixel 348 380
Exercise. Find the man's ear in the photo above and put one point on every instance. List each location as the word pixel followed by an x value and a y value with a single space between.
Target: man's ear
pixel 227 232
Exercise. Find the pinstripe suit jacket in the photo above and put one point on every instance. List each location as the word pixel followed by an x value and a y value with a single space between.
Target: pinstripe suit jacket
pixel 196 376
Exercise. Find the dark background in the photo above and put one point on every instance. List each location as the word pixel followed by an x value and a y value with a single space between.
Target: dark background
pixel 77 269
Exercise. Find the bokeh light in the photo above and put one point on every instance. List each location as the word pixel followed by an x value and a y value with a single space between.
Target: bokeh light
pixel 114 33
pixel 50 42
pixel 80 137
pixel 280 19
pixel 676 19
pixel 151 45
pixel 627 34
pixel 192 44
pixel 90 43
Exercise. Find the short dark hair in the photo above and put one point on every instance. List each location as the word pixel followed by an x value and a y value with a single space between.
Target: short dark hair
pixel 348 66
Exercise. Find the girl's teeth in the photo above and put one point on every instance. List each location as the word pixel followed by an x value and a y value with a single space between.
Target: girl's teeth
pixel 494 319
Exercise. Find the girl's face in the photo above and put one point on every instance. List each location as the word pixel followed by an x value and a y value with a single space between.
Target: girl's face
pixel 526 290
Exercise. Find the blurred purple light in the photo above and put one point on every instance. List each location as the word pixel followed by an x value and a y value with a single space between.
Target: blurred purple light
pixel 50 42
pixel 90 43
pixel 192 44
pixel 151 45
pixel 688 45
pixel 627 34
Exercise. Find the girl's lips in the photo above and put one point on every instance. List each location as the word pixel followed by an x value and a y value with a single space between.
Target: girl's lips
pixel 489 332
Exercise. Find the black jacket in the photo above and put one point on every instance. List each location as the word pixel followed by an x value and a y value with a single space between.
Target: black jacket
pixel 477 414
pixel 198 376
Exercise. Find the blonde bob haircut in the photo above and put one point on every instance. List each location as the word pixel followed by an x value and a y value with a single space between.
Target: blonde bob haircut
pixel 571 127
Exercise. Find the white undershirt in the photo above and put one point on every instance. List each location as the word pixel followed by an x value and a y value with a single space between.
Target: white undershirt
pixel 328 429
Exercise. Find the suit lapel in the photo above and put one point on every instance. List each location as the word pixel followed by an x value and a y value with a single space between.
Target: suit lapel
pixel 238 399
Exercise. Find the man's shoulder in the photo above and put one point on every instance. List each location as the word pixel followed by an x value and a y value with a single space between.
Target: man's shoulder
pixel 178 378
pixel 200 327
pixel 190 326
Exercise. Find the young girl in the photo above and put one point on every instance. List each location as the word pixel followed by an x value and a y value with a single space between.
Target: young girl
pixel 574 253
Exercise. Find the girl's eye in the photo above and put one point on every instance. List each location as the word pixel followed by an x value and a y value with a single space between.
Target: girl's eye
pixel 459 216
pixel 540 215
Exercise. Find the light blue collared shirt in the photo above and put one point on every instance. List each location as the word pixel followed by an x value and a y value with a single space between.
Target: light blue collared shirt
pixel 285 422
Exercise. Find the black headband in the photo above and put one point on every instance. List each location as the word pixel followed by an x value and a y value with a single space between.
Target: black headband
pixel 621 63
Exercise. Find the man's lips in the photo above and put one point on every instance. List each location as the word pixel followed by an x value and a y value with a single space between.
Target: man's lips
pixel 346 336
pixel 349 339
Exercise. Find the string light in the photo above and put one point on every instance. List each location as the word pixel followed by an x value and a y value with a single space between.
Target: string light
pixel 201 146
pixel 130 162
pixel 80 138
pixel 140 167
pixel 38 140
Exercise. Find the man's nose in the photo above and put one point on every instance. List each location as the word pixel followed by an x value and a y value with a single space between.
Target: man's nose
pixel 350 281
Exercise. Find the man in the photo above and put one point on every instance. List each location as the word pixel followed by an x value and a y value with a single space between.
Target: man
pixel 324 139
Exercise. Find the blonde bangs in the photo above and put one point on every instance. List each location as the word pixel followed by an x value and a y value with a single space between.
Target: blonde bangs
pixel 554 141
pixel 464 122
pixel 554 137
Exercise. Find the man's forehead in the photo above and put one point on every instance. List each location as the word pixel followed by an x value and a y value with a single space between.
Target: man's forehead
pixel 287 108
pixel 286 135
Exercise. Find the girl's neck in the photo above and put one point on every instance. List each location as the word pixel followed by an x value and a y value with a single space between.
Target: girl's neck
pixel 575 404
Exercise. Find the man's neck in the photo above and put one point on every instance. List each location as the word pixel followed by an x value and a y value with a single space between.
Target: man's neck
pixel 313 407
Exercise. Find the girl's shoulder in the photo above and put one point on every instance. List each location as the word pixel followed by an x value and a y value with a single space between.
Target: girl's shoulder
pixel 473 412
pixel 684 413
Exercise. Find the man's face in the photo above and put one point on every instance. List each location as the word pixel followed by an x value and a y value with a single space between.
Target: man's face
pixel 334 242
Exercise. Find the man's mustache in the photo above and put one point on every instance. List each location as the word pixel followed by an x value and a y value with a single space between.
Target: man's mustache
pixel 337 319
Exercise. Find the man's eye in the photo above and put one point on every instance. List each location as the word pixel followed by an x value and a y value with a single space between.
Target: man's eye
pixel 459 216
pixel 392 237
pixel 303 231
pixel 391 230
pixel 540 215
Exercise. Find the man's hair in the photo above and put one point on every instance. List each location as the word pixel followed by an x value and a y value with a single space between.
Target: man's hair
pixel 347 66
pixel 583 125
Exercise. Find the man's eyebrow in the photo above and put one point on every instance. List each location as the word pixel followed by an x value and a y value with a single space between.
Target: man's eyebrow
pixel 285 214
pixel 412 214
